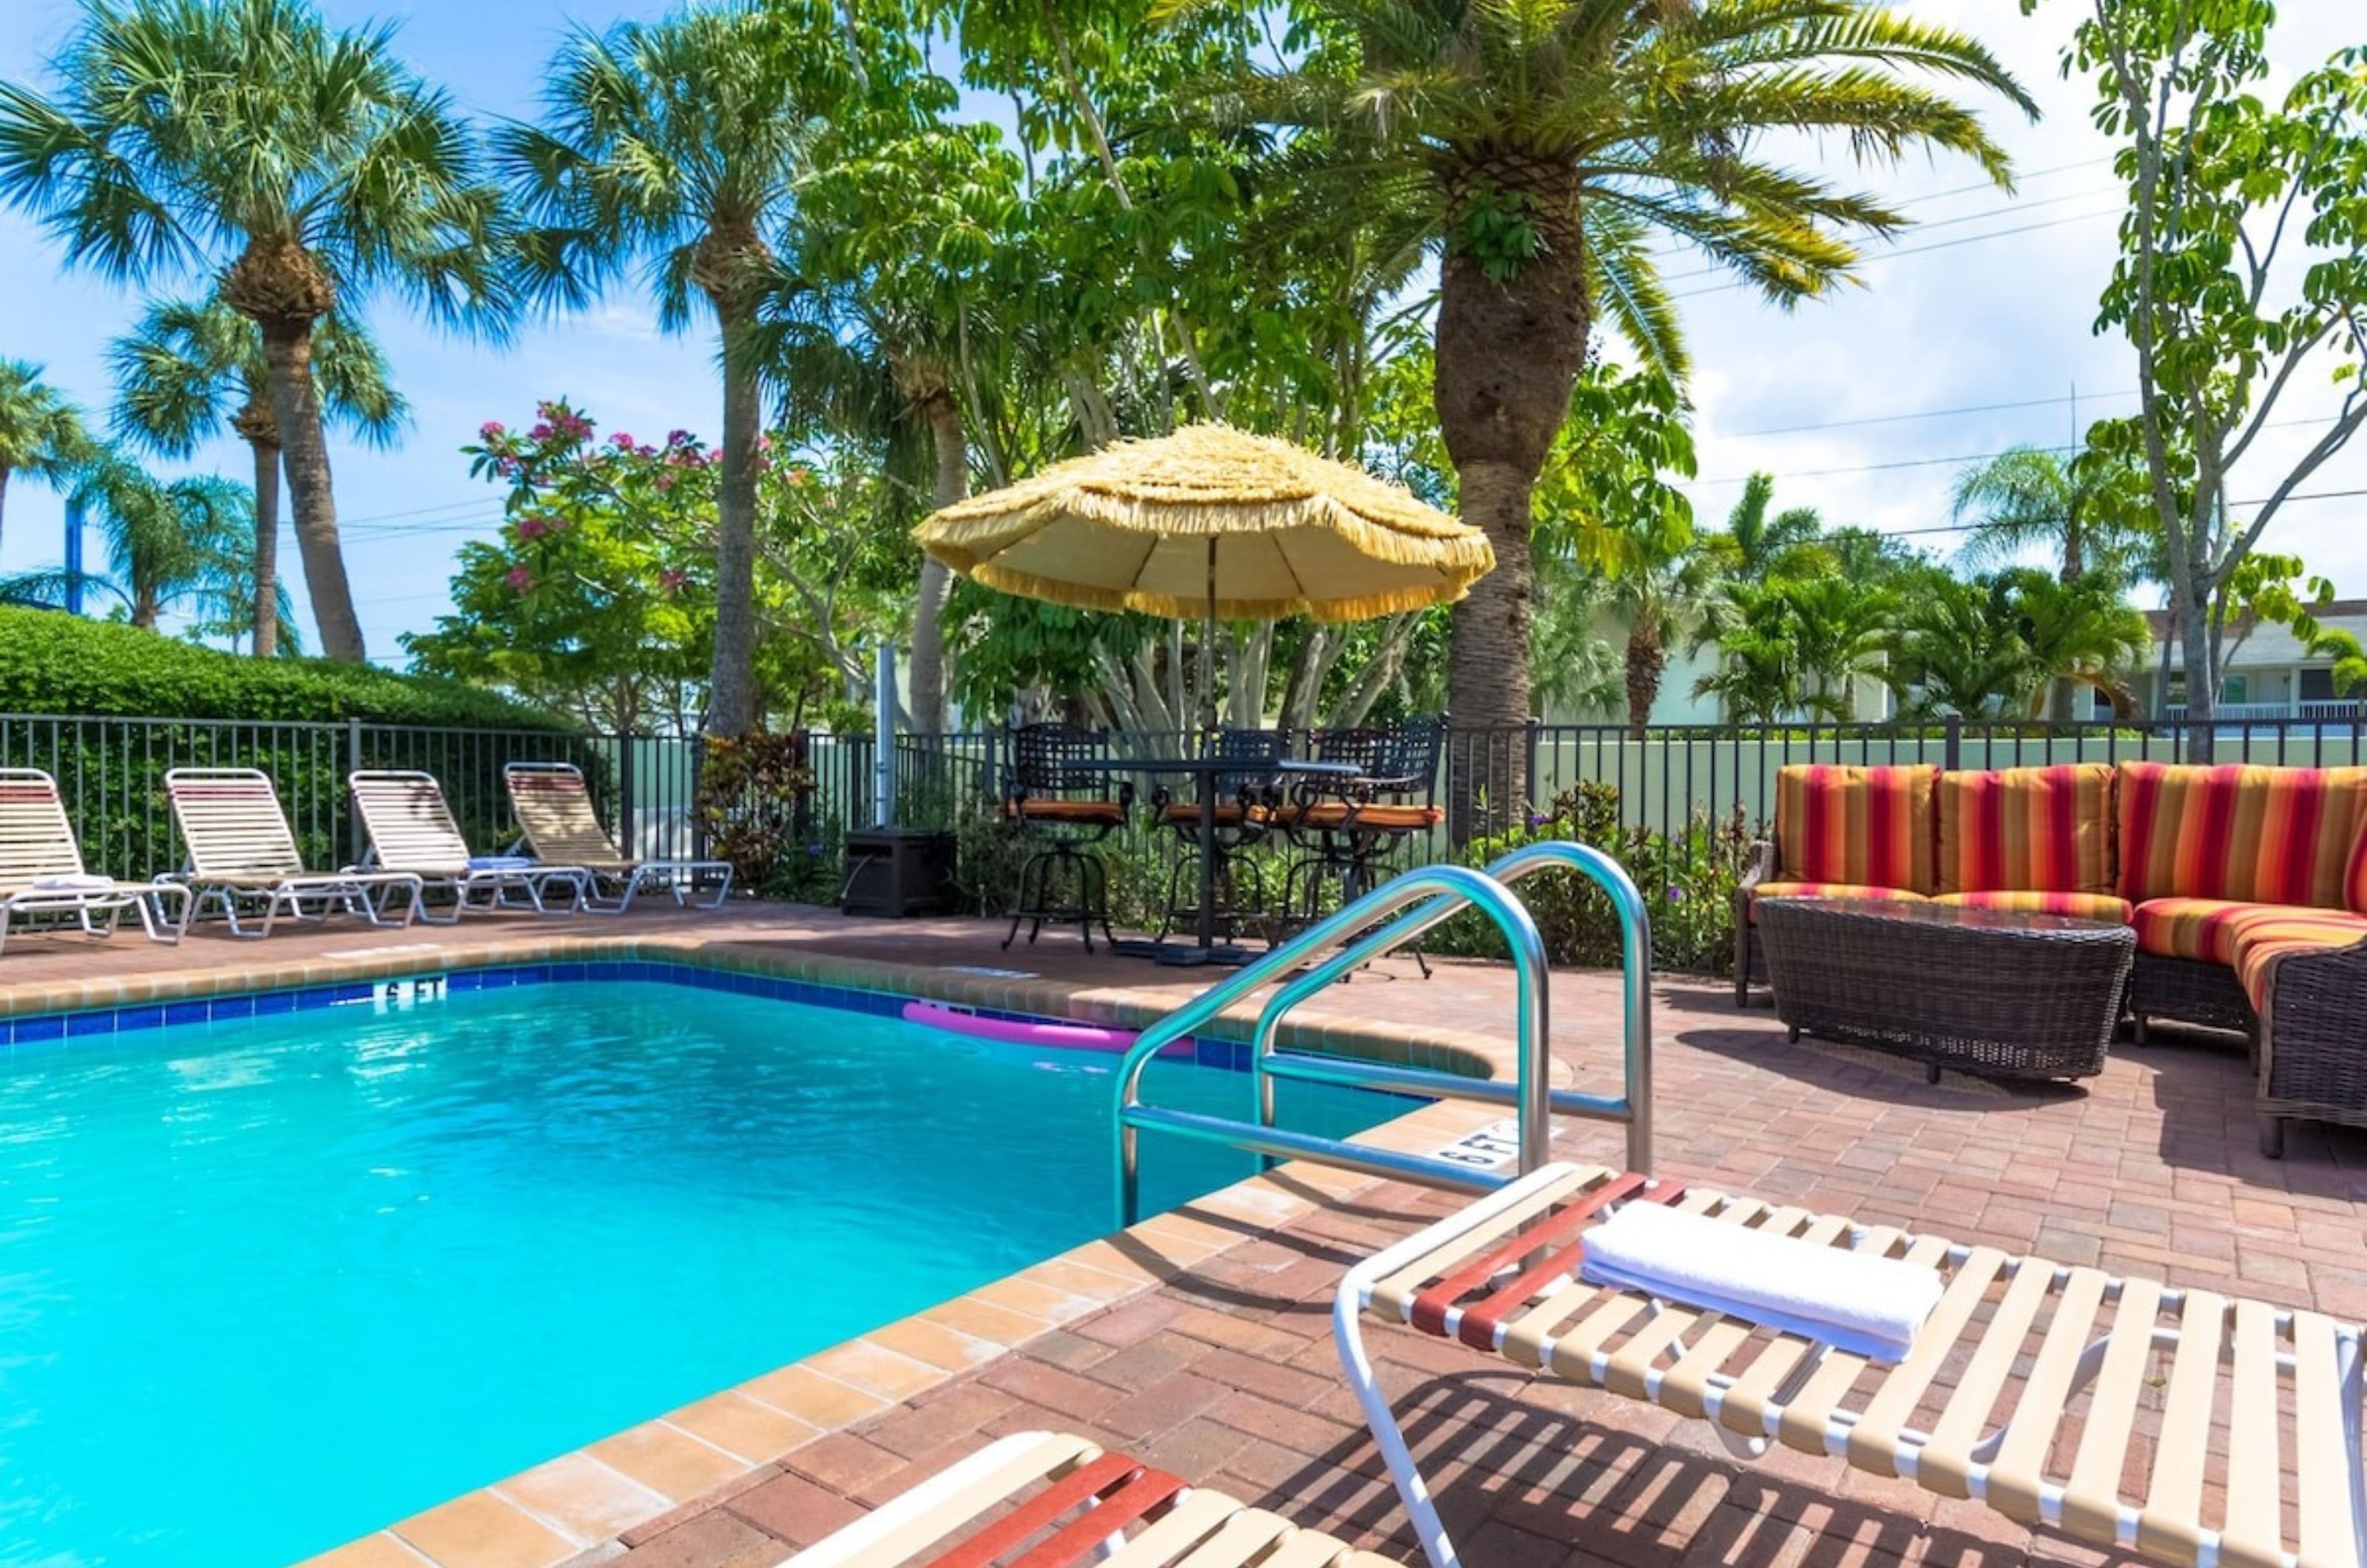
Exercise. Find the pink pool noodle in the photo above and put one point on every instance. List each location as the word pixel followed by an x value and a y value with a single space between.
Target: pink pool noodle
pixel 1010 1031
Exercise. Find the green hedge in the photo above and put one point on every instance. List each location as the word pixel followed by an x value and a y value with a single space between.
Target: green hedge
pixel 52 663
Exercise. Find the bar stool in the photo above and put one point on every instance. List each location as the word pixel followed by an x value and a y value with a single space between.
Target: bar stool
pixel 1060 795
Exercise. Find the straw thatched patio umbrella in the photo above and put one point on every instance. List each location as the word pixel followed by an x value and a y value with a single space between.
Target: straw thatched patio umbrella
pixel 1213 523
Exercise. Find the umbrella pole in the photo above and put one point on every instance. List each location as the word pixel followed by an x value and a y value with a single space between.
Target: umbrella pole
pixel 1208 647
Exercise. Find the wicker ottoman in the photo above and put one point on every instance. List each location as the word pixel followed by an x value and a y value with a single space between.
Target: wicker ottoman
pixel 1984 991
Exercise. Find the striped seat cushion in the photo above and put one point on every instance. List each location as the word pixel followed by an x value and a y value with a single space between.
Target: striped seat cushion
pixel 2200 929
pixel 2271 932
pixel 2027 830
pixel 1859 826
pixel 2257 835
pixel 2078 906
pixel 1826 890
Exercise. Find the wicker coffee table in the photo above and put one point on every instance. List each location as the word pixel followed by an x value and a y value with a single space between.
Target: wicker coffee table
pixel 1984 991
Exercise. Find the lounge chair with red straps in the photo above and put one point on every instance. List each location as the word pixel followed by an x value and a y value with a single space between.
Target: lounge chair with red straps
pixel 1050 1501
pixel 2195 1428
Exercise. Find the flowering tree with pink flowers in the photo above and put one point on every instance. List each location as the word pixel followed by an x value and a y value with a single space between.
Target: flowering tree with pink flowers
pixel 597 599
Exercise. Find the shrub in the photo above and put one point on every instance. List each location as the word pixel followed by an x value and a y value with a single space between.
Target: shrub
pixel 52 663
pixel 754 803
pixel 1687 880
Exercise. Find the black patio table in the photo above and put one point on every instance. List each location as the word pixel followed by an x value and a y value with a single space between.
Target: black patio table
pixel 1205 770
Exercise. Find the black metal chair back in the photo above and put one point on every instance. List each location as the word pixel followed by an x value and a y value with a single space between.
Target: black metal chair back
pixel 1260 752
pixel 1049 763
pixel 1394 762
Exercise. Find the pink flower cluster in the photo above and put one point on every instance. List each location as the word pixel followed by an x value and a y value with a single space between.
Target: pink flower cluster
pixel 519 578
pixel 539 524
pixel 670 581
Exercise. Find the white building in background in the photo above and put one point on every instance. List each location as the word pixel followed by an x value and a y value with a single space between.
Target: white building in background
pixel 2268 676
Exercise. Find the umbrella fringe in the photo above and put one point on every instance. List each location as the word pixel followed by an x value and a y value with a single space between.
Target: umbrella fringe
pixel 1081 596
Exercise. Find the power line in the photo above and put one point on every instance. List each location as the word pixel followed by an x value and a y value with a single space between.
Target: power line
pixel 1926 413
pixel 1925 226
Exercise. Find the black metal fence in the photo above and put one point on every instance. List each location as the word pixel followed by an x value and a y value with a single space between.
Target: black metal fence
pixel 1663 781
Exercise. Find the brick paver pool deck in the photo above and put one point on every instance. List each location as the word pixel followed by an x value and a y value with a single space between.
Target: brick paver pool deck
pixel 1202 1343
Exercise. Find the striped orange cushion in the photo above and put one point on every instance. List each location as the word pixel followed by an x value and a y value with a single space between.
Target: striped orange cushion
pixel 2044 830
pixel 2078 905
pixel 2256 834
pixel 1826 890
pixel 1863 827
pixel 2355 882
pixel 2271 932
pixel 2188 928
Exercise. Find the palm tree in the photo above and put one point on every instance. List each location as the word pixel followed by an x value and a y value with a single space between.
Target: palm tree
pixel 41 432
pixel 1954 648
pixel 301 165
pixel 2087 512
pixel 2079 634
pixel 678 146
pixel 1759 543
pixel 170 544
pixel 190 368
pixel 1552 140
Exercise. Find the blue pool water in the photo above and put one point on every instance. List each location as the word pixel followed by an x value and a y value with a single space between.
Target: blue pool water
pixel 268 1284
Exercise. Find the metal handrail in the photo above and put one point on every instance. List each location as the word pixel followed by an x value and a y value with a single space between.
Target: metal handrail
pixel 1463 885
pixel 1634 1106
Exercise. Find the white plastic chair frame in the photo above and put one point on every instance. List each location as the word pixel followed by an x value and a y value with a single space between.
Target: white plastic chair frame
pixel 2017 1350
pixel 553 806
pixel 243 857
pixel 37 845
pixel 410 828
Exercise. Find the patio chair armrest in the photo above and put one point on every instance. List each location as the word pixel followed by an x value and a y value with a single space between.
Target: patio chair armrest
pixel 1761 866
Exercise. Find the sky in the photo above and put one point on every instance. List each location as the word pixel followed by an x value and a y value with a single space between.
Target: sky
pixel 1970 333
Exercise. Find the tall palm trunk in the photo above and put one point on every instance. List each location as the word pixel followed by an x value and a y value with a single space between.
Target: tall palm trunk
pixel 254 422
pixel 1508 355
pixel 4 500
pixel 731 683
pixel 945 417
pixel 1647 660
pixel 296 410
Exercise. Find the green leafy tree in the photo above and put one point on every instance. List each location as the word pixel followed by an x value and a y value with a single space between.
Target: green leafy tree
pixel 303 165
pixel 1550 141
pixel 678 147
pixel 2243 270
pixel 191 369
pixel 597 598
pixel 1605 500
pixel 1758 542
pixel 2077 634
pixel 41 432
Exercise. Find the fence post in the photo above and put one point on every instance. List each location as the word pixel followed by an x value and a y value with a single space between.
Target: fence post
pixel 627 831
pixel 356 842
pixel 1529 769
pixel 1952 750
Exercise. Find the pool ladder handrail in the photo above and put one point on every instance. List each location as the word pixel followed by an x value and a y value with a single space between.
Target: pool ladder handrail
pixel 1380 922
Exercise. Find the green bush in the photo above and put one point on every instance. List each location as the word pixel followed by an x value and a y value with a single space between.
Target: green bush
pixel 1687 880
pixel 52 663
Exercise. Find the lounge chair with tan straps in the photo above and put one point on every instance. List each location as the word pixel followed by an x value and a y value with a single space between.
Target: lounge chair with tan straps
pixel 1051 1501
pixel 42 877
pixel 554 812
pixel 2195 1428
pixel 410 828
pixel 243 857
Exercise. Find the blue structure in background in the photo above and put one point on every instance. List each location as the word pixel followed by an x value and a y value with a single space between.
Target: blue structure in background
pixel 73 554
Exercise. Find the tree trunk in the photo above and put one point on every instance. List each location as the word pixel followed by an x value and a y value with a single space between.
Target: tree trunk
pixel 3 500
pixel 267 549
pixel 1647 660
pixel 1508 355
pixel 937 582
pixel 731 685
pixel 2201 693
pixel 296 410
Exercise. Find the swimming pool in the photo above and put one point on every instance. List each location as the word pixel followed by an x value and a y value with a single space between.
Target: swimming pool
pixel 270 1282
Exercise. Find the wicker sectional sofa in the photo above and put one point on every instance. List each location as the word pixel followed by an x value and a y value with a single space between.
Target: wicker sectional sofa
pixel 2247 886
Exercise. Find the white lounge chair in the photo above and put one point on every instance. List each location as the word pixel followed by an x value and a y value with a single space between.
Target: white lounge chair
pixel 41 870
pixel 241 853
pixel 1054 1501
pixel 553 806
pixel 2022 1389
pixel 410 828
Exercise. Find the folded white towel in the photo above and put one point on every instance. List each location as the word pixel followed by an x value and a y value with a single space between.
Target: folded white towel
pixel 74 882
pixel 500 862
pixel 1870 1307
